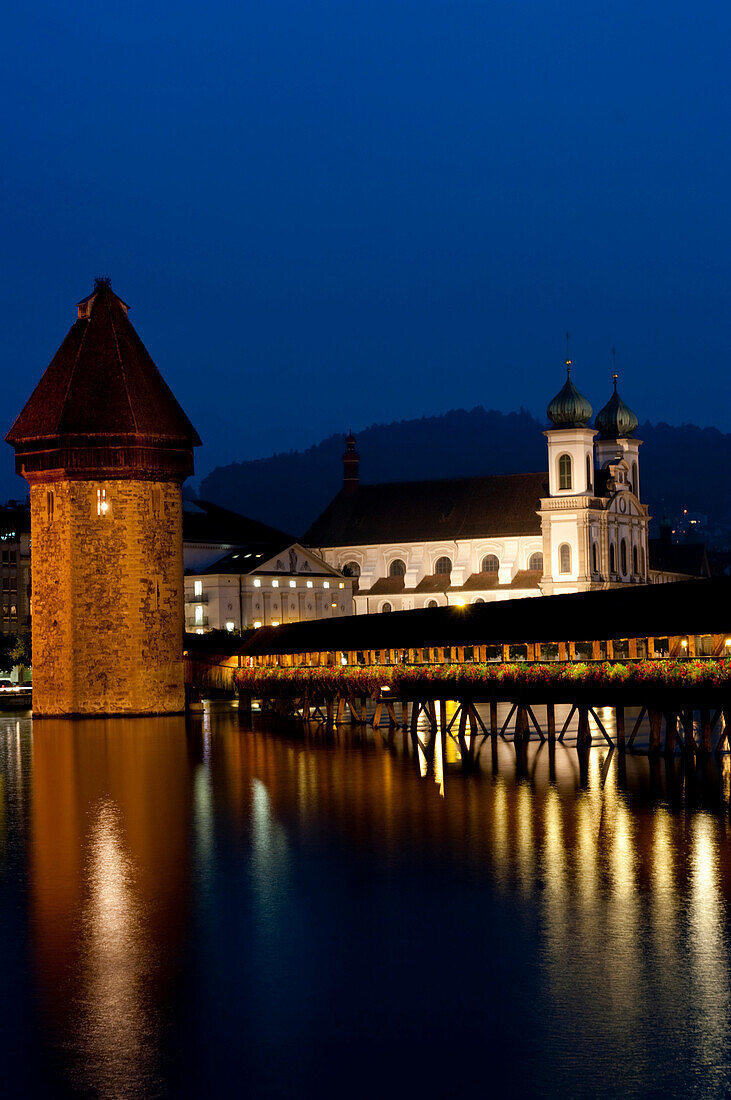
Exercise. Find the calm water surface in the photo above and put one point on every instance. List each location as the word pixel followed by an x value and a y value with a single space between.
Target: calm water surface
pixel 206 909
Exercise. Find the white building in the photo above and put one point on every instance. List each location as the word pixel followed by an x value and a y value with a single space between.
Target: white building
pixel 259 585
pixel 581 525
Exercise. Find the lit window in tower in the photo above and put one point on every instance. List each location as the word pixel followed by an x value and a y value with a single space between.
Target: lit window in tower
pixel 101 502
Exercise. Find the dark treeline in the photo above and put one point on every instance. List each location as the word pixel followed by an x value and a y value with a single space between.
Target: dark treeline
pixel 681 467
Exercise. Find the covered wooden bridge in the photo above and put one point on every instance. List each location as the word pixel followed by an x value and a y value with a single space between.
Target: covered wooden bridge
pixel 655 656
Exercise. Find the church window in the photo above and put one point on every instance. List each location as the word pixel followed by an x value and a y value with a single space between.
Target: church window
pixel 588 472
pixel 432 603
pixel 564 558
pixel 443 565
pixel 386 607
pixel 623 556
pixel 49 505
pixel 612 558
pixel 397 568
pixel 594 558
pixel 351 569
pixel 535 562
pixel 564 472
pixel 490 564
pixel 479 600
pixel 634 479
pixel 642 560
pixel 635 560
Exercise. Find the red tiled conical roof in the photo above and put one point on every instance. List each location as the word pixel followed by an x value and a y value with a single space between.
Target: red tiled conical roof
pixel 101 390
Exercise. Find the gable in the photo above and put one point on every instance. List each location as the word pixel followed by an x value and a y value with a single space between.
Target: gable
pixel 295 560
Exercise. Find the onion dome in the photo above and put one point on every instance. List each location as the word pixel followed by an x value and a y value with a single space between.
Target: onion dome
pixel 569 408
pixel 616 420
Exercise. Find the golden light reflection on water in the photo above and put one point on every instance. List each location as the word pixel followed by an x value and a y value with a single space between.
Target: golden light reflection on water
pixel 623 887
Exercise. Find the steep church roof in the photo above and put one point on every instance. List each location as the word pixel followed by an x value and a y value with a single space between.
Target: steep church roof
pixel 427 511
pixel 101 386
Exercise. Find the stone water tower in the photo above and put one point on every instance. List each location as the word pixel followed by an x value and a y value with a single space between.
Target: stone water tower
pixel 105 448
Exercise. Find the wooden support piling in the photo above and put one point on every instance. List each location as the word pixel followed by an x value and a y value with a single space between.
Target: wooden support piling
pixel 655 729
pixel 619 722
pixel 551 721
pixel 705 731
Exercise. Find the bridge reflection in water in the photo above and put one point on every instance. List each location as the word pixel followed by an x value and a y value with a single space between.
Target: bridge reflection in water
pixel 173 872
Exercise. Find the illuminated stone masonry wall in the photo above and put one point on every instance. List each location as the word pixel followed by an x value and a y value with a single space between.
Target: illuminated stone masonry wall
pixel 107 597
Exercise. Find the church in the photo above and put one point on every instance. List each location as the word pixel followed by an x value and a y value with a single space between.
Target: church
pixel 576 527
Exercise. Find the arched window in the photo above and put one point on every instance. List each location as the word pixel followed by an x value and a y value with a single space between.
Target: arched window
pixel 564 472
pixel 490 564
pixel 478 600
pixel 351 569
pixel 594 557
pixel 535 562
pixel 397 568
pixel 443 565
pixel 564 558
pixel 635 484
pixel 386 607
pixel 623 556
pixel 635 560
pixel 612 558
pixel 589 472
pixel 432 603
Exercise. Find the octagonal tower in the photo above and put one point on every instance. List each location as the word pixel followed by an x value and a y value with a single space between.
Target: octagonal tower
pixel 105 448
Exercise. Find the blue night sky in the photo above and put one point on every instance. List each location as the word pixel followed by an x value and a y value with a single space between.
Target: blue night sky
pixel 345 212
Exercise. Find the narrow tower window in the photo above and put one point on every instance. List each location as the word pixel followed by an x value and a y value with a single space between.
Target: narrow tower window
pixel 564 558
pixel 623 556
pixel 635 560
pixel 101 502
pixel 588 472
pixel 635 484
pixel 564 472
pixel 612 558
pixel 594 557
pixel 49 505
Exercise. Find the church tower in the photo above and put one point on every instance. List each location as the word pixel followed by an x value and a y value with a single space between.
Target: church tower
pixel 565 512
pixel 105 448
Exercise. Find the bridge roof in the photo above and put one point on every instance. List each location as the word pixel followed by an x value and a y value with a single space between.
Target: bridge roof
pixel 685 607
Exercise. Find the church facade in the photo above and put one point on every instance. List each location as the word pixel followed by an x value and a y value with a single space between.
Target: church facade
pixel 578 526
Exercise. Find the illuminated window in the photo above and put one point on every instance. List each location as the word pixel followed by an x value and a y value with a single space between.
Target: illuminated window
pixel 198 588
pixel 564 472
pixel 443 566
pixel 275 584
pixel 326 584
pixel 275 622
pixel 199 614
pixel 257 624
pixel 230 625
pixel 490 564
pixel 535 562
pixel 397 568
pixel 101 502
pixel 334 604
pixel 564 558
pixel 293 584
pixel 634 479
pixel 309 584
pixel 257 583
pixel 341 585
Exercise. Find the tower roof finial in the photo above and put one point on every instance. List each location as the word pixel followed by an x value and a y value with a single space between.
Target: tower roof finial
pixel 568 354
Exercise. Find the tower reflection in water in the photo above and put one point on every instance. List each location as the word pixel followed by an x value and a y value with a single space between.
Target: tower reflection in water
pixel 109 890
pixel 137 826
